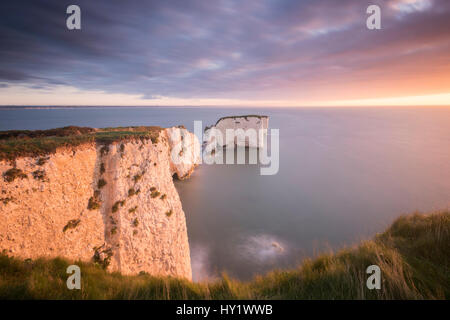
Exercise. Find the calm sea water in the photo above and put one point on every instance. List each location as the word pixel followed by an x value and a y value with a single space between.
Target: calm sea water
pixel 345 174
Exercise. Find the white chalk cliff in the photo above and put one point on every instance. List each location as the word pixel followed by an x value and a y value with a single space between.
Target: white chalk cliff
pixel 247 131
pixel 133 223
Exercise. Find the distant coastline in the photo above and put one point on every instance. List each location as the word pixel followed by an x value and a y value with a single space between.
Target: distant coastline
pixel 16 107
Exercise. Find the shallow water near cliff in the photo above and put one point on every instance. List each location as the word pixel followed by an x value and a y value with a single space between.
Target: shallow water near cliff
pixel 345 174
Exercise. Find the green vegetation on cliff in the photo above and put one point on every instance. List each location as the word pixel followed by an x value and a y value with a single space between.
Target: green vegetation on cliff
pixel 26 143
pixel 413 255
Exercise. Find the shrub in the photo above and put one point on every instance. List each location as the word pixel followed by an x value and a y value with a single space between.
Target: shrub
pixel 101 183
pixel 116 205
pixel 131 192
pixel 102 168
pixel 132 210
pixel 104 150
pixel 113 230
pixel 6 200
pixel 102 257
pixel 152 189
pixel 72 224
pixel 39 175
pixel 163 196
pixel 12 174
pixel 94 201
pixel 135 222
pixel 137 177
pixel 169 213
pixel 41 161
pixel 155 194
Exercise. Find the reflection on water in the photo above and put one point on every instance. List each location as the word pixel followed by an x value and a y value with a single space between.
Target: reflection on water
pixel 345 174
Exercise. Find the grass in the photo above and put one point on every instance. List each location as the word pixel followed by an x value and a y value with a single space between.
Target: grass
pixel 413 255
pixel 39 143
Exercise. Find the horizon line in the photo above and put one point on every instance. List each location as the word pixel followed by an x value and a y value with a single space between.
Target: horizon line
pixel 220 106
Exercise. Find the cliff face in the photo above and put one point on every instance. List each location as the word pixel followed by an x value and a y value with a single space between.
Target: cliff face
pixel 249 131
pixel 115 204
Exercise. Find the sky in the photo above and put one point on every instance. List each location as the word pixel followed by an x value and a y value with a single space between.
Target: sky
pixel 225 53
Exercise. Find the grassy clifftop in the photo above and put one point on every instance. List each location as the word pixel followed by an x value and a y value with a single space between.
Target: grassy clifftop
pixel 26 143
pixel 413 254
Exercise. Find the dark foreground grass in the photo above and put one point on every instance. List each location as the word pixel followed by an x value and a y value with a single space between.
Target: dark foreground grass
pixel 413 254
pixel 25 143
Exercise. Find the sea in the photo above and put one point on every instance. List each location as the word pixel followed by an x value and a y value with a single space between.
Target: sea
pixel 345 174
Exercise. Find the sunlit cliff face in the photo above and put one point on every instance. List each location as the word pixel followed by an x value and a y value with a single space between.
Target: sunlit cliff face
pixel 265 53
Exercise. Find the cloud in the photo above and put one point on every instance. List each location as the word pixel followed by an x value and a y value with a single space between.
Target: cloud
pixel 269 49
pixel 409 6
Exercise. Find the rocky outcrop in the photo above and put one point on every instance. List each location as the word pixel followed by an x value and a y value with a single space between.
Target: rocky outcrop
pixel 185 151
pixel 115 204
pixel 246 131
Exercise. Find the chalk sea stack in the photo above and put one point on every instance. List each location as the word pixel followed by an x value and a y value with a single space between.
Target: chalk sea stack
pixel 249 131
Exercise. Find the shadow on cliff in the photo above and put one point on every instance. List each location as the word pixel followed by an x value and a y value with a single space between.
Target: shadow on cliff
pixel 104 185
